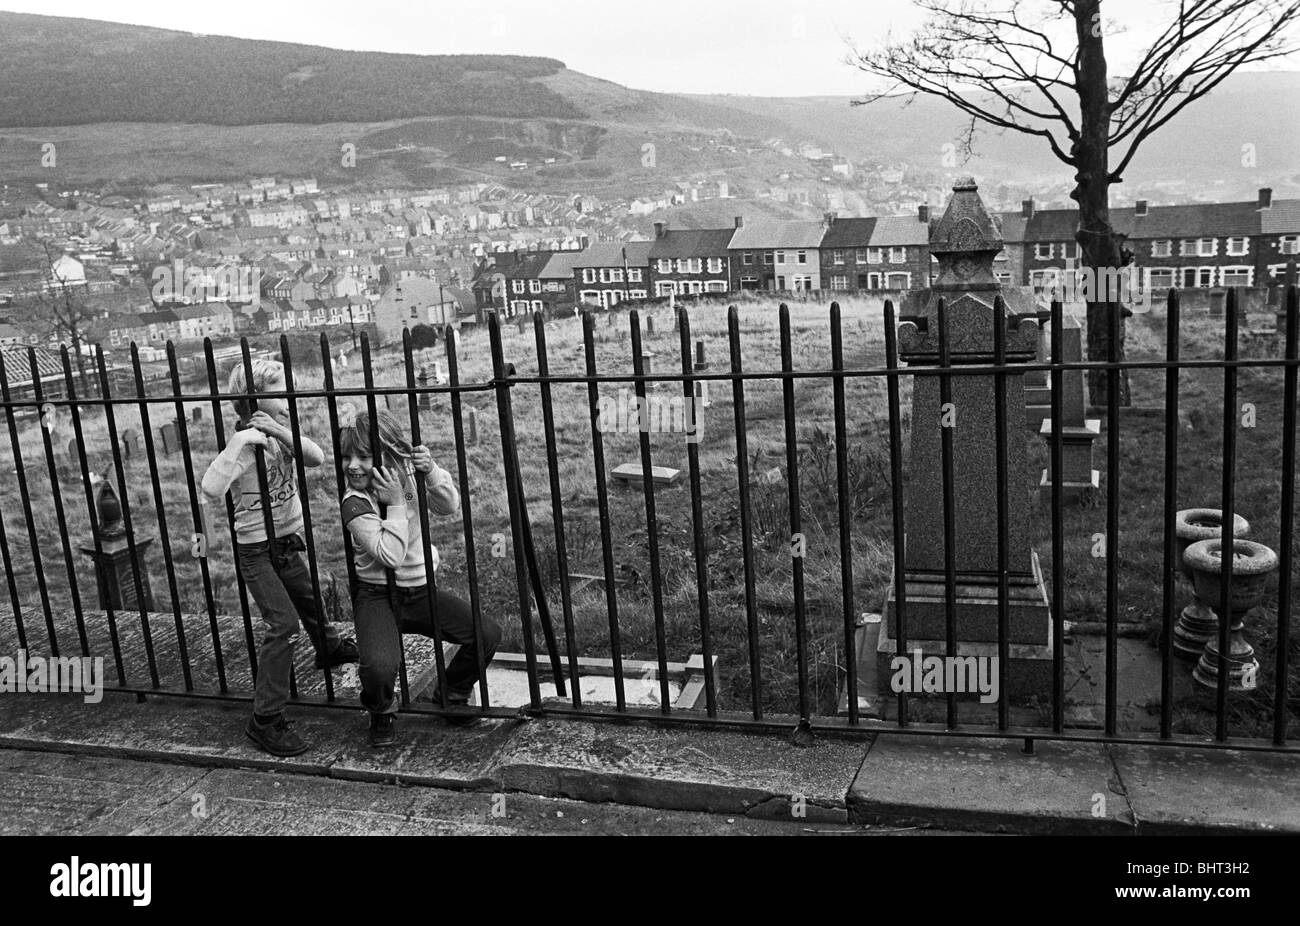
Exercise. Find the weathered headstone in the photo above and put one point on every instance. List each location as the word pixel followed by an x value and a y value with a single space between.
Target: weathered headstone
pixel 169 442
pixel 632 473
pixel 649 325
pixel 1077 430
pixel 424 400
pixel 130 444
pixel 72 449
pixel 701 386
pixel 438 376
pixel 964 242
pixel 197 413
pixel 1038 383
pixel 471 429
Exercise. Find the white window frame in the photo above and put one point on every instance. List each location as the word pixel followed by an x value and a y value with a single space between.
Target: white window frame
pixel 747 258
pixel 517 286
pixel 840 282
pixel 715 286
pixel 1288 244
pixel 534 286
pixel 1038 251
pixel 665 265
pixel 889 279
pixel 589 275
pixel 803 257
pixel 1237 251
pixel 875 255
pixel 715 265
pixel 1237 270
pixel 1170 283
pixel 1164 247
pixel 898 255
pixel 837 257
pixel 861 256
pixel 634 275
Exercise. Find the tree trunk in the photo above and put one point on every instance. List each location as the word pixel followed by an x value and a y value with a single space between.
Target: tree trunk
pixel 1099 246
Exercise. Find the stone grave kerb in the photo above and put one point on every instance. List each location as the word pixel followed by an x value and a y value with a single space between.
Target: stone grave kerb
pixel 965 241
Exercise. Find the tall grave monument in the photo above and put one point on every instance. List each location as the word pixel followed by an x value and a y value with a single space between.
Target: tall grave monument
pixel 965 241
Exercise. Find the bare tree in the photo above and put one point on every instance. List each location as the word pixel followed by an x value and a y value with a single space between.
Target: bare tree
pixel 1039 68
pixel 59 313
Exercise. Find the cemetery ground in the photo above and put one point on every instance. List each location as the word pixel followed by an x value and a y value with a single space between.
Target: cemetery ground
pixel 1140 483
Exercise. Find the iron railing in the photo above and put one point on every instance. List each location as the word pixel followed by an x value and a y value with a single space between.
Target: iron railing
pixel 93 418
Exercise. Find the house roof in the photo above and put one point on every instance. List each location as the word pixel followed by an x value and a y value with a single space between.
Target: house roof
pixel 695 242
pixel 161 317
pixel 1013 226
pixel 1192 220
pixel 894 231
pixel 775 234
pixel 610 254
pixel 849 233
pixel 1282 219
pixel 561 265
pixel 19 373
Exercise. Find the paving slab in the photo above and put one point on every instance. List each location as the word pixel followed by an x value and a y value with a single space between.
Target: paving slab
pixel 720 772
pixel 50 795
pixel 989 785
pixel 1186 791
pixel 429 751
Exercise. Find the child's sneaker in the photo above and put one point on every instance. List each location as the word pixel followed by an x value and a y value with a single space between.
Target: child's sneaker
pixel 346 652
pixel 383 731
pixel 275 737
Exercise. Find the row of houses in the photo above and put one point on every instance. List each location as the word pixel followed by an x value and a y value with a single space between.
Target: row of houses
pixel 1204 245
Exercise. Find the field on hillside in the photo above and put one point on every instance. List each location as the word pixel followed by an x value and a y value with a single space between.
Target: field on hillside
pixel 1141 486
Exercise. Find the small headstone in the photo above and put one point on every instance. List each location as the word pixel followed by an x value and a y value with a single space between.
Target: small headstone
pixel 649 325
pixel 631 472
pixel 471 421
pixel 169 442
pixel 700 362
pixel 422 382
pixel 609 319
pixel 438 376
pixel 647 361
pixel 130 444
pixel 72 449
pixel 197 413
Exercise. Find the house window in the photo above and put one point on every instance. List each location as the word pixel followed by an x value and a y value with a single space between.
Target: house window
pixel 1162 248
pixel 537 305
pixel 1289 244
pixel 1160 278
pixel 616 276
pixel 634 275
pixel 803 257
pixel 591 296
pixel 1205 276
pixel 839 282
pixel 715 286
pixel 1237 276
pixel 1237 247
pixel 897 255
pixel 747 258
pixel 589 275
pixel 665 266
pixel 767 258
pixel 715 265
pixel 1199 247
pixel 837 257
pixel 861 255
pixel 1042 252
pixel 534 286
pixel 1070 250
pixel 899 281
pixel 875 255
pixel 518 285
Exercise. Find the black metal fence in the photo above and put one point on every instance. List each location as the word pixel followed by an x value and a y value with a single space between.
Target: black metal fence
pixel 58 617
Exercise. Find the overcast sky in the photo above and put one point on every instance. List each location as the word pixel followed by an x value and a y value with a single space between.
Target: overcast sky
pixel 757 47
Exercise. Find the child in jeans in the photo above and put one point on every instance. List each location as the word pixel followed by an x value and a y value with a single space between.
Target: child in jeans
pixel 393 543
pixel 275 571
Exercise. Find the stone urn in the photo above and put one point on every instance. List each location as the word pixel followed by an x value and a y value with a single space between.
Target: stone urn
pixel 1252 564
pixel 1197 624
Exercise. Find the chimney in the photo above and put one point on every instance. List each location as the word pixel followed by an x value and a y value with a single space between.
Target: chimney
pixel 1141 208
pixel 1027 208
pixel 923 213
pixel 659 230
pixel 1266 197
pixel 740 221
pixel 828 218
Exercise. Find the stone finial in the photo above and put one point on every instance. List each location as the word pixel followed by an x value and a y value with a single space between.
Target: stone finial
pixel 965 241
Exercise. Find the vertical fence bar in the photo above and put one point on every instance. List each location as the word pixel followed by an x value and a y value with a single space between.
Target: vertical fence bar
pixel 1001 488
pixel 263 484
pixel 1171 566
pixel 1057 464
pixel 56 491
pixel 602 504
pixel 164 537
pixel 845 513
pixel 651 518
pixel 126 515
pixel 510 460
pixel 746 519
pixel 1287 517
pixel 1229 510
pixel 796 514
pixel 949 504
pixel 896 479
pixel 467 516
pixel 1112 517
pixel 426 535
pixel 21 474
pixel 196 514
pixel 220 430
pixel 697 508
pixel 332 408
pixel 304 498
pixel 377 459
pixel 557 506
pixel 15 603
pixel 114 640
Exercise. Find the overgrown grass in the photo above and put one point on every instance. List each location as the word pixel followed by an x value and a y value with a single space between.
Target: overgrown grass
pixel 1141 487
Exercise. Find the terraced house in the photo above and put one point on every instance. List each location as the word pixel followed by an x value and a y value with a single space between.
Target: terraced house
pixel 770 255
pixel 610 272
pixel 516 282
pixel 687 261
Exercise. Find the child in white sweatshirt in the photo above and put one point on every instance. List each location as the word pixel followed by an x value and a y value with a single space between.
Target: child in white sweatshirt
pixel 393 543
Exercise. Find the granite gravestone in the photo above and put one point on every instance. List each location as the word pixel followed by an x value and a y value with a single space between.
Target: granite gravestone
pixel 964 242
pixel 170 444
pixel 130 444
pixel 1077 430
